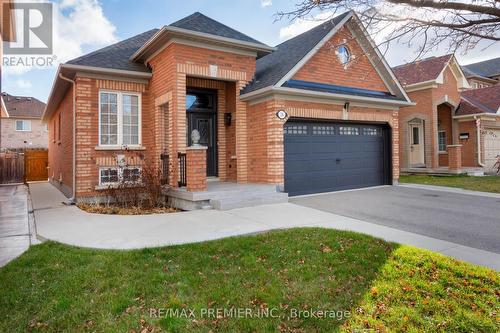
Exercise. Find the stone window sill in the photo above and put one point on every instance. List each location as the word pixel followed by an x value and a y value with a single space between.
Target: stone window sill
pixel 443 153
pixel 113 186
pixel 124 148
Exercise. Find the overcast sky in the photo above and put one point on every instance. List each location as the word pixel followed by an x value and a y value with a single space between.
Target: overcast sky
pixel 82 26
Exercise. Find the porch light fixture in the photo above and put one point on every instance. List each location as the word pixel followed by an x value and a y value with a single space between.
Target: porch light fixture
pixel 227 118
pixel 281 114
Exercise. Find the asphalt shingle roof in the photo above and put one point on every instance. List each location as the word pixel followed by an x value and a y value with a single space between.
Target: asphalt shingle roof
pixel 486 68
pixel 117 56
pixel 421 70
pixel 485 100
pixel 272 67
pixel 201 23
pixel 23 106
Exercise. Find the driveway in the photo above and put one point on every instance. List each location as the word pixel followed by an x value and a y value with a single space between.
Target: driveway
pixel 14 222
pixel 469 220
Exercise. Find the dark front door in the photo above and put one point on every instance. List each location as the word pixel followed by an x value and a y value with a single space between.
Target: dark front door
pixel 329 156
pixel 202 116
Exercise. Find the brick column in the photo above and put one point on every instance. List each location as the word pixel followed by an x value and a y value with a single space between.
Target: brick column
pixel 454 158
pixel 196 168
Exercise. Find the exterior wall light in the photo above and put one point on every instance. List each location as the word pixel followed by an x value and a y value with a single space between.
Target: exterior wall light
pixel 227 118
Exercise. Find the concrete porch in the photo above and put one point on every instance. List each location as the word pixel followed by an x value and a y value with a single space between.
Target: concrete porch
pixel 226 195
pixel 444 171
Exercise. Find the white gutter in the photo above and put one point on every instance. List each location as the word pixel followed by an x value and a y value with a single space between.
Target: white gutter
pixel 473 115
pixel 91 69
pixel 72 200
pixel 478 138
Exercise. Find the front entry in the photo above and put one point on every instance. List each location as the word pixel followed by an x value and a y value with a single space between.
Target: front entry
pixel 202 115
pixel 417 158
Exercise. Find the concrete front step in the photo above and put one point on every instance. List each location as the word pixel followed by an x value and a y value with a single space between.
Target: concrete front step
pixel 248 200
pixel 226 195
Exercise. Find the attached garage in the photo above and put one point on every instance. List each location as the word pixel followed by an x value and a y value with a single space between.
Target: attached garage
pixel 491 149
pixel 332 156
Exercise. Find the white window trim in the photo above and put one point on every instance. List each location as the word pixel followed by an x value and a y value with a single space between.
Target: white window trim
pixel 119 106
pixel 23 130
pixel 439 150
pixel 120 175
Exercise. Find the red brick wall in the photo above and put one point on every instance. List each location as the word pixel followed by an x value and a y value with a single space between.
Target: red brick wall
pixel 265 133
pixel 469 146
pixel 88 158
pixel 422 110
pixel 174 65
pixel 444 124
pixel 427 101
pixel 325 67
pixel 61 145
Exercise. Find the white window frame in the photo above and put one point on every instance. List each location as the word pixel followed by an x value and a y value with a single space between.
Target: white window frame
pixel 24 121
pixel 110 183
pixel 439 145
pixel 119 106
pixel 119 171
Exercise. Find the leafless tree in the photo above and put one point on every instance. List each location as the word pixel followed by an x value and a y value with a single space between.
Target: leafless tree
pixel 424 24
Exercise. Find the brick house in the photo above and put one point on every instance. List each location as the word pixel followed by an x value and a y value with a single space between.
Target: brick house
pixel 437 132
pixel 483 74
pixel 478 115
pixel 316 113
pixel 21 125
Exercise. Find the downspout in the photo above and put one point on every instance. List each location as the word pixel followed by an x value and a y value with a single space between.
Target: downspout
pixel 478 137
pixel 72 200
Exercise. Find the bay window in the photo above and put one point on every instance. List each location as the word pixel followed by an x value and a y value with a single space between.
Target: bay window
pixel 119 119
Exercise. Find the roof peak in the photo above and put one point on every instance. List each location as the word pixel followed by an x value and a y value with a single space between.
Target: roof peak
pixel 333 21
pixel 200 22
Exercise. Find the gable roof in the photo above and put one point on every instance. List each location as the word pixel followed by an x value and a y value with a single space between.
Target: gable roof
pixel 274 72
pixel 23 106
pixel 487 68
pixel 201 23
pixel 485 100
pixel 273 67
pixel 200 27
pixel 422 70
pixel 117 56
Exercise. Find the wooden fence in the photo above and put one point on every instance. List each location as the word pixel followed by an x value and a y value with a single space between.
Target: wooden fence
pixel 23 166
pixel 11 168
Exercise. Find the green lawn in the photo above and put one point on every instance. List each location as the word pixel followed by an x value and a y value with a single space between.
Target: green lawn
pixel 57 288
pixel 485 184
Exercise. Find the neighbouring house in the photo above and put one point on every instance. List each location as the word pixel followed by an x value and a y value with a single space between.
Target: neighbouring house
pixel 428 130
pixel 483 74
pixel 316 113
pixel 478 115
pixel 21 125
pixel 441 130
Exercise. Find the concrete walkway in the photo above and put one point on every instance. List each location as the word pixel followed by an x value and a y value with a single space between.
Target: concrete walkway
pixel 70 225
pixel 15 228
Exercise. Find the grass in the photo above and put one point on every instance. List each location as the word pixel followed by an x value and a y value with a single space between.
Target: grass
pixel 372 283
pixel 484 184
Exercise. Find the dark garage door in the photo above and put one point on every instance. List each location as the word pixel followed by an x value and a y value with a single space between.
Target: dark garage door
pixel 325 156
